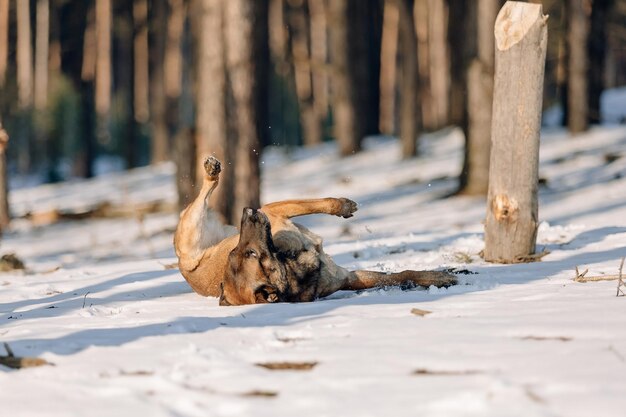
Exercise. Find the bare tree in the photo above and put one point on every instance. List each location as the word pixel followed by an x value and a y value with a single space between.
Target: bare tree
pixel 319 56
pixel 41 54
pixel 355 37
pixel 5 216
pixel 459 43
pixel 4 39
pixel 173 67
pixel 125 63
pixel 409 86
pixel 598 40
pixel 511 223
pixel 103 67
pixel 439 61
pixel 246 56
pixel 421 18
pixel 184 154
pixel 24 82
pixel 388 66
pixel 344 111
pixel 210 98
pixel 299 20
pixel 158 100
pixel 475 175
pixel 578 12
pixel 4 137
pixel 141 80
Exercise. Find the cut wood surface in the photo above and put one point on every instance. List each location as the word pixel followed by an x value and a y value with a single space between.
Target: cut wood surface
pixel 521 41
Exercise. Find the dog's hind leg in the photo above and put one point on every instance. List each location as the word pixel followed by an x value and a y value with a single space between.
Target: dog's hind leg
pixel 199 227
pixel 341 207
pixel 360 280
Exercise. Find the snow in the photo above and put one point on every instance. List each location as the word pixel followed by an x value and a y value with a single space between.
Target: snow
pixel 128 337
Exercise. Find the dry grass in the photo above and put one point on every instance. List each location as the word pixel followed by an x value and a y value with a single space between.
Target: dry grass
pixel 288 366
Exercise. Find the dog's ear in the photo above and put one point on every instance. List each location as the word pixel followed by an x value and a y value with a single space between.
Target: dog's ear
pixel 266 294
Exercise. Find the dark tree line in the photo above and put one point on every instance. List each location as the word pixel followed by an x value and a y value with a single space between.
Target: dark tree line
pixel 153 80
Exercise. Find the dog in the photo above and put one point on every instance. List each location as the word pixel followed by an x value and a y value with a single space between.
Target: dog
pixel 270 258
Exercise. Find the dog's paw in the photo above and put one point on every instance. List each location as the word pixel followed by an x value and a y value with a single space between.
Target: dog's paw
pixel 212 166
pixel 347 208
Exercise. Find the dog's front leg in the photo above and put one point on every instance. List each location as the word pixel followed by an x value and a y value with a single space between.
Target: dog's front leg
pixel 360 280
pixel 341 207
pixel 199 227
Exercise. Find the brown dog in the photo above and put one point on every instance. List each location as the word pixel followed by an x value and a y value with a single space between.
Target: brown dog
pixel 272 259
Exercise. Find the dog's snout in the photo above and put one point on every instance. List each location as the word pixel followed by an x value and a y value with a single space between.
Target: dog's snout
pixel 251 215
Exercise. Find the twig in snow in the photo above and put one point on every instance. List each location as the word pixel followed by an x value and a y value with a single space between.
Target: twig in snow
pixel 8 349
pixel 582 277
pixel 85 298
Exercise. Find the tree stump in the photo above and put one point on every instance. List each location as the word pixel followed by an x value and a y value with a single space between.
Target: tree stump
pixel 512 211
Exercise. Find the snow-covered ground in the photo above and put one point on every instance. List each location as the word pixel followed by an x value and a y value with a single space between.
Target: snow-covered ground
pixel 128 337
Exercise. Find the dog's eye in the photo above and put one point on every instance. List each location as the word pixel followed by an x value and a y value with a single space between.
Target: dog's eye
pixel 251 254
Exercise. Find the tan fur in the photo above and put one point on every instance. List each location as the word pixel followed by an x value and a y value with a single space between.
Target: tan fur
pixel 203 245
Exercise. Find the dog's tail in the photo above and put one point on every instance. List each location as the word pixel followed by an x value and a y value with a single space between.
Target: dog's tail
pixel 360 280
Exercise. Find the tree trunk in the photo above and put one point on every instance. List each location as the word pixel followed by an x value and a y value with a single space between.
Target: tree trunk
pixel 5 216
pixel 4 40
pixel 141 61
pixel 103 69
pixel 366 24
pixel 598 40
pixel 40 97
pixel 562 63
pixel 158 101
pixel 184 157
pixel 76 61
pixel 578 65
pixel 24 56
pixel 298 19
pixel 439 62
pixel 246 39
pixel 210 100
pixel 24 83
pixel 125 84
pixel 409 93
pixel 344 112
pixel 355 30
pixel 4 137
pixel 475 175
pixel 388 66
pixel 41 54
pixel 319 57
pixel 278 36
pixel 173 70
pixel 521 42
pixel 458 41
pixel 421 16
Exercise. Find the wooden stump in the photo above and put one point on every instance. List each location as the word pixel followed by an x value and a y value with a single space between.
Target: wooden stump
pixel 511 224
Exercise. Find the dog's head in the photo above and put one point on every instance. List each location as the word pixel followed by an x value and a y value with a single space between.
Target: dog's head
pixel 254 274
